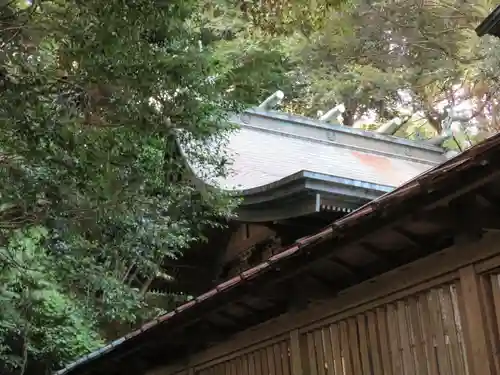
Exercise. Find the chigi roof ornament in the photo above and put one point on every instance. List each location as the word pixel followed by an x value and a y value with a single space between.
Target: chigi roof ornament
pixel 272 101
pixel 332 114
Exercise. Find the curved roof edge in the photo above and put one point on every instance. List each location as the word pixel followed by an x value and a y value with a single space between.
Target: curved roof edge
pixel 300 194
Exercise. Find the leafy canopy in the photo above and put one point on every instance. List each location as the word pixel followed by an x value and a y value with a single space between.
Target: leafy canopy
pixel 95 196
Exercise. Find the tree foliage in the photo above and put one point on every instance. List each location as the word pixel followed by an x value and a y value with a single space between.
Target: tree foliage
pixel 96 100
pixel 386 58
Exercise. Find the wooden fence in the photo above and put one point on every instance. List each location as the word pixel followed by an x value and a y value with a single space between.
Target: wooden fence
pixel 437 316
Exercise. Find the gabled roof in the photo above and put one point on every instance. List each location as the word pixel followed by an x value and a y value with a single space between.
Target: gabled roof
pixel 275 154
pixel 418 205
pixel 270 146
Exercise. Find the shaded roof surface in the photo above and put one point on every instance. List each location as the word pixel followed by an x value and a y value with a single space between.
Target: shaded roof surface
pixel 458 176
pixel 261 157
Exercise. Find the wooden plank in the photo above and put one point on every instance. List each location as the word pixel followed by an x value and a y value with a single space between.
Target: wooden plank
pixel 487 265
pixel 285 352
pixel 251 364
pixel 404 336
pixel 354 345
pixel 363 344
pixel 329 359
pixel 304 352
pixel 374 346
pixel 450 329
pixel 320 357
pixel 295 353
pixel 345 345
pixel 278 361
pixel 234 370
pixel 478 348
pixel 244 365
pixel 384 341
pixel 239 365
pixel 335 335
pixel 394 340
pixel 460 323
pixel 437 328
pixel 265 361
pixel 270 360
pixel 313 363
pixel 428 334
pixel 493 314
pixel 421 364
pixel 258 362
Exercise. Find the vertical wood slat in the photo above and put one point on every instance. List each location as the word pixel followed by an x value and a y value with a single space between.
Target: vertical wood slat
pixel 329 356
pixel 285 357
pixel 265 361
pixel 239 365
pixel 421 364
pixel 375 349
pixel 244 365
pixel 258 362
pixel 437 327
pixel 338 362
pixel 313 369
pixel 278 359
pixel 384 341
pixel 459 323
pixel 428 334
pixel 251 364
pixel 345 354
pixel 354 345
pixel 270 361
pixel 495 321
pixel 404 336
pixel 478 349
pixel 363 344
pixel 319 351
pixel 450 328
pixel 394 341
pixel 295 353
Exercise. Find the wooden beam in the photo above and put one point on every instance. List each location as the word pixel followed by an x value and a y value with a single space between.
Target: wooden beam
pixel 378 253
pixel 416 242
pixel 465 215
pixel 318 288
pixel 345 266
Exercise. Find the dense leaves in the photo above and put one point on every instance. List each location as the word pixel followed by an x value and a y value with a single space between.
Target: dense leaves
pixel 97 100
pixel 416 60
pixel 100 100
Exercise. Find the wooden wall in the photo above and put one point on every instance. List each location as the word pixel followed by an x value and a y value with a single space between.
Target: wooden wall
pixel 437 316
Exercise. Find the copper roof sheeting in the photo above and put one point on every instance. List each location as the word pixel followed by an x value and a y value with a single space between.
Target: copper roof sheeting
pixel 270 146
pixel 261 157
pixel 471 167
